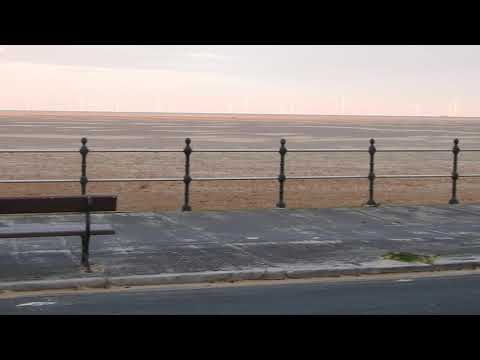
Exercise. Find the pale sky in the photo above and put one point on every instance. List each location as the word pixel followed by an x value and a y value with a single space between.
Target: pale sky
pixel 320 79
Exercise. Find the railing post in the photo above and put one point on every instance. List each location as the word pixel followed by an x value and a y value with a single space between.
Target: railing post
pixel 86 236
pixel 187 179
pixel 281 176
pixel 455 151
pixel 371 174
pixel 83 178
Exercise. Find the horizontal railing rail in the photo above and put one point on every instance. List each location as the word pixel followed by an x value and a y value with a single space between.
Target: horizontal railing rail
pixel 100 150
pixel 318 177
pixel 281 178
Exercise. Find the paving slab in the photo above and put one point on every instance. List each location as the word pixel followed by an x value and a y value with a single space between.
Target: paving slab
pixel 281 240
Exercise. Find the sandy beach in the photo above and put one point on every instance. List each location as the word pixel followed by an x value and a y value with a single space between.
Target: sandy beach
pixel 63 130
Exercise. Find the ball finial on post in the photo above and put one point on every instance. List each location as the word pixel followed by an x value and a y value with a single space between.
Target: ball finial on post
pixel 83 178
pixel 281 177
pixel 187 179
pixel 371 173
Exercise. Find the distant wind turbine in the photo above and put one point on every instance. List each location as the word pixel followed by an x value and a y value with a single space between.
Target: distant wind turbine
pixel 247 105
pixel 417 110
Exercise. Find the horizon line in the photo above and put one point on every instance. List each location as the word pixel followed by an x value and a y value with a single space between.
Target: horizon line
pixel 230 114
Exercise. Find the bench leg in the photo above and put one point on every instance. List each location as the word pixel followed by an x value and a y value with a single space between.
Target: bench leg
pixel 85 255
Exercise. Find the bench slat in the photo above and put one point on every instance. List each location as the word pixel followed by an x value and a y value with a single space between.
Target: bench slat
pixel 54 204
pixel 44 230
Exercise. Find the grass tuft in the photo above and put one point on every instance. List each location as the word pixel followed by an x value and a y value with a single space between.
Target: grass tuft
pixel 409 257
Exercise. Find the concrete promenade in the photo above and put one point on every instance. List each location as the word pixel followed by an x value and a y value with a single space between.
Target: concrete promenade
pixel 175 247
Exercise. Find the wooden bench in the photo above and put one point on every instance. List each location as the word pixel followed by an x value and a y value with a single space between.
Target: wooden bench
pixel 59 204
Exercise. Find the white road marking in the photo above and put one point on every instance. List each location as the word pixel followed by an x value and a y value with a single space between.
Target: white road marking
pixel 37 303
pixel 404 280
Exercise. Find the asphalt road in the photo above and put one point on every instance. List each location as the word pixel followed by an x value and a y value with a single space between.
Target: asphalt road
pixel 428 295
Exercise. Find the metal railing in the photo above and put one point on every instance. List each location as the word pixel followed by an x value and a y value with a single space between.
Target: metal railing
pixel 281 178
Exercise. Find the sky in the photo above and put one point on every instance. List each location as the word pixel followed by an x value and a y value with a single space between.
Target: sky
pixel 275 79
